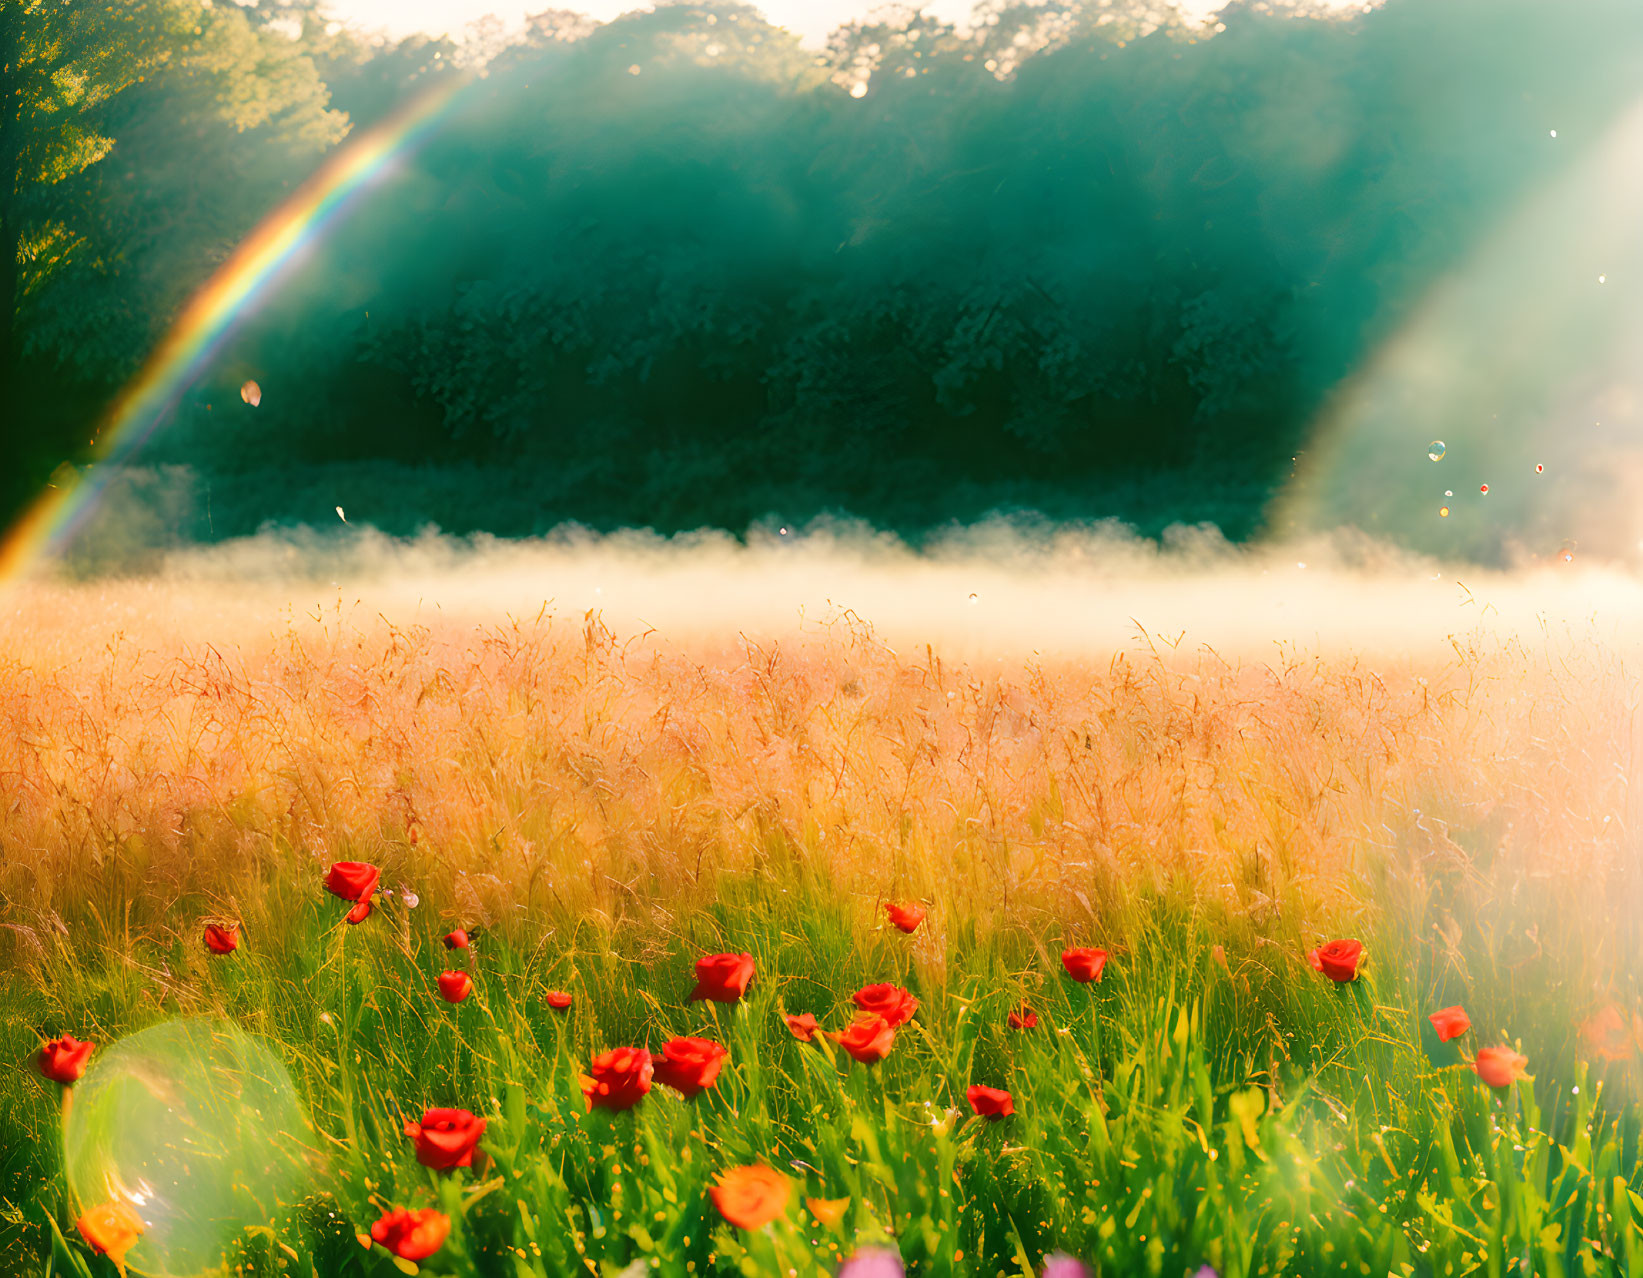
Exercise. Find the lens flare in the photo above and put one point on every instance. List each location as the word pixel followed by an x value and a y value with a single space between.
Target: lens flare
pixel 196 1126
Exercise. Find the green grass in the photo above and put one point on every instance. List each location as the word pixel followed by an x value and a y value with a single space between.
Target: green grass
pixel 1252 1116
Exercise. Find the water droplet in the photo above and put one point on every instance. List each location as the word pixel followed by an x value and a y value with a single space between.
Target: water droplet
pixel 1436 449
pixel 1443 512
pixel 1484 489
pixel 411 899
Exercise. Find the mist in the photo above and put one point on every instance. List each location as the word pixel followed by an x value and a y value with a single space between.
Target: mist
pixel 991 591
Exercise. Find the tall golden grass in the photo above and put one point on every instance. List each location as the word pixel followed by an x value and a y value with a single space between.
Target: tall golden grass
pixel 165 755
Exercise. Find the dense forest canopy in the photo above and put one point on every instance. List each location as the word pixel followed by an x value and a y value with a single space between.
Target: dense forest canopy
pixel 675 270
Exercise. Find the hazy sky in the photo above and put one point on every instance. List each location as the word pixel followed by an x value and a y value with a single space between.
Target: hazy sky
pixel 811 19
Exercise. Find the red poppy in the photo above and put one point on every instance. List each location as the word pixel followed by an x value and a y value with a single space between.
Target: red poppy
pixel 221 940
pixel 892 1002
pixel 354 881
pixel 412 1235
pixel 991 1102
pixel 1499 1066
pixel 558 1000
pixel 618 1079
pixel 446 1138
pixel 455 986
pixel 1023 1018
pixel 803 1027
pixel 1450 1022
pixel 1084 964
pixel 1338 960
pixel 456 940
pixel 690 1065
pixel 724 978
pixel 906 917
pixel 750 1197
pixel 868 1040
pixel 63 1060
pixel 1609 1036
pixel 112 1229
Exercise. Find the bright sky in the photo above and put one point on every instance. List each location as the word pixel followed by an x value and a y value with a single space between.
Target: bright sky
pixel 810 19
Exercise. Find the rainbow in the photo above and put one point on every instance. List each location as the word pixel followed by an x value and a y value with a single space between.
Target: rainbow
pixel 209 318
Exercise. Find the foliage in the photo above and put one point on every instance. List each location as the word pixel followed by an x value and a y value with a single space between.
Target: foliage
pixel 671 260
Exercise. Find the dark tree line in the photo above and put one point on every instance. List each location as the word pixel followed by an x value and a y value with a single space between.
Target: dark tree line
pixel 674 270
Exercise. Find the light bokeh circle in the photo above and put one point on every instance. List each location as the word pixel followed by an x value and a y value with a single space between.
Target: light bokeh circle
pixel 197 1125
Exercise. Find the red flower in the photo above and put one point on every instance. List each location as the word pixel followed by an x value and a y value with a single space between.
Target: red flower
pixel 991 1102
pixel 868 1040
pixel 221 940
pixel 1499 1066
pixel 1450 1022
pixel 1608 1035
pixel 803 1027
pixel 1338 960
pixel 457 940
pixel 618 1079
pixel 455 986
pixel 412 1235
pixel 558 1000
pixel 723 978
pixel 112 1229
pixel 353 881
pixel 750 1197
pixel 892 1002
pixel 906 917
pixel 63 1060
pixel 690 1065
pixel 1023 1018
pixel 446 1138
pixel 1084 964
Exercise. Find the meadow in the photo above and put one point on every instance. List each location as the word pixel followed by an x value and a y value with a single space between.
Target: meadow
pixel 599 811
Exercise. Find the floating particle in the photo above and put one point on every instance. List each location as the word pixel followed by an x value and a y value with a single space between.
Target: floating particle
pixel 251 393
pixel 1436 449
pixel 411 899
pixel 1448 492
pixel 784 532
pixel 341 516
pixel 1300 564
pixel 1443 512
pixel 1540 468
pixel 1554 133
pixel 1484 489
pixel 1602 279
pixel 973 597
pixel 858 89
pixel 634 69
